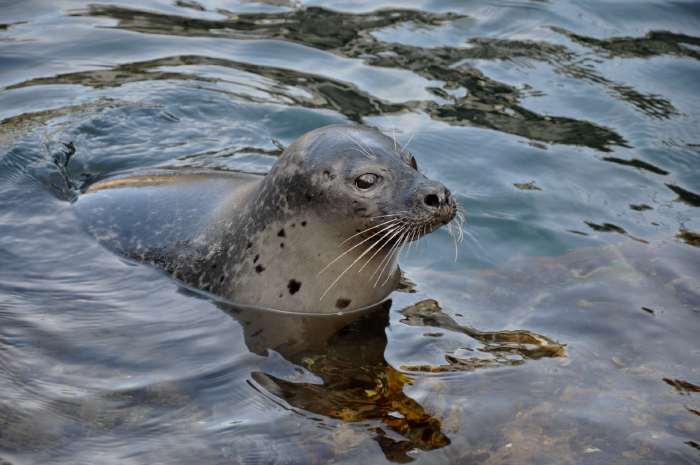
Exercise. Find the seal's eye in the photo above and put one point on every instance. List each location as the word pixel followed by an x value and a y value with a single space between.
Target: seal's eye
pixel 366 181
pixel 414 164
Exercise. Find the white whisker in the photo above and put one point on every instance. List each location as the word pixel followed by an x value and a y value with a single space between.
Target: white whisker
pixel 388 259
pixel 369 229
pixel 398 256
pixel 357 245
pixel 335 281
pixel 387 238
pixel 476 242
pixel 405 147
pixel 412 240
pixel 393 214
pixel 357 149
pixel 363 148
pixel 453 235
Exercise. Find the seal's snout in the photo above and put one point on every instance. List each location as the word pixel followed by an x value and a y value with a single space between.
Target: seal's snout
pixel 440 202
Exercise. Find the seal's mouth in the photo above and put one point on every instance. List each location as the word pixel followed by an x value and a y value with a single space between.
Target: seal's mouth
pixel 404 227
pixel 426 224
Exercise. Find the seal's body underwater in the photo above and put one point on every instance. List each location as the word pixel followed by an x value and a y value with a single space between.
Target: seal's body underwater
pixel 318 234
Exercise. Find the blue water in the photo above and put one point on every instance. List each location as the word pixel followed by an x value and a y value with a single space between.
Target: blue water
pixel 569 131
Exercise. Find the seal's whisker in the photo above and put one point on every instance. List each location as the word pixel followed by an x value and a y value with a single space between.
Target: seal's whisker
pixel 413 239
pixel 406 244
pixel 393 136
pixel 459 225
pixel 363 148
pixel 410 139
pixel 387 257
pixel 356 149
pixel 451 230
pixel 376 226
pixel 356 246
pixel 387 239
pixel 369 229
pixel 476 242
pixel 392 214
pixel 419 236
pixel 335 281
pixel 398 255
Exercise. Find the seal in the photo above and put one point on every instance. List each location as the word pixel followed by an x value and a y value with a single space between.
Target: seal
pixel 320 233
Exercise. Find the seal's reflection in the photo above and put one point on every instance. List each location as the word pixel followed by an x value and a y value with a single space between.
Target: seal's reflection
pixel 347 353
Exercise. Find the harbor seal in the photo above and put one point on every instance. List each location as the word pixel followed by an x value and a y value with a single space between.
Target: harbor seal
pixel 320 233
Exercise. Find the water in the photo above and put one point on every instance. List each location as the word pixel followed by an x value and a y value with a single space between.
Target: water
pixel 567 130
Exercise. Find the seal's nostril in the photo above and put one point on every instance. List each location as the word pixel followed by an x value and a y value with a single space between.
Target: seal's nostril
pixel 432 200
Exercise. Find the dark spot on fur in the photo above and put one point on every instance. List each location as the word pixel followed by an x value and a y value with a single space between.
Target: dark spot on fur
pixel 250 244
pixel 213 267
pixel 259 268
pixel 281 295
pixel 342 303
pixel 221 279
pixel 281 233
pixel 294 225
pixel 281 245
pixel 361 210
pixel 303 223
pixel 293 286
pixel 255 260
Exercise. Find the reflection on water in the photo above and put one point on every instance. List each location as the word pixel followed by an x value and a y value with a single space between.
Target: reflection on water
pixel 355 385
pixel 504 347
pixel 359 385
pixel 565 332
pixel 469 97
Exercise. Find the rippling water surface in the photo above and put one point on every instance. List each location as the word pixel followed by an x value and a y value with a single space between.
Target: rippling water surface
pixel 565 333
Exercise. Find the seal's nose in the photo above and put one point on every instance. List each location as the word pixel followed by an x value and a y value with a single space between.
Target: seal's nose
pixel 437 199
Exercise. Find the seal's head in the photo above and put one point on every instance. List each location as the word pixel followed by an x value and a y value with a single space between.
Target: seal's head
pixel 328 222
pixel 364 181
